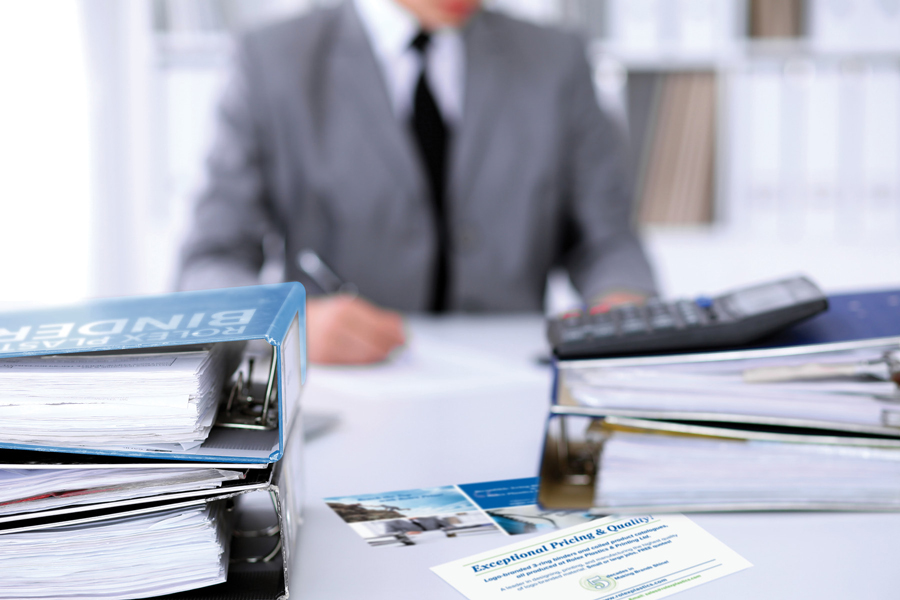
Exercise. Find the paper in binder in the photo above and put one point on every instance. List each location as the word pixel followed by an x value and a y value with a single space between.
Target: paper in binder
pixel 723 387
pixel 31 483
pixel 143 376
pixel 190 545
pixel 23 490
pixel 627 465
pixel 160 400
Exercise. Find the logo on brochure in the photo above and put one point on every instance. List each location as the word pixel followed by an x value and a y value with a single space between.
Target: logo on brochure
pixel 593 583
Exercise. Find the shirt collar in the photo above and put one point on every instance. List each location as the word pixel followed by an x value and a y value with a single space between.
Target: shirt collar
pixel 390 26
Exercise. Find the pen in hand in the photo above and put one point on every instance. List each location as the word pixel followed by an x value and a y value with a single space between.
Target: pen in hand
pixel 322 275
pixel 343 328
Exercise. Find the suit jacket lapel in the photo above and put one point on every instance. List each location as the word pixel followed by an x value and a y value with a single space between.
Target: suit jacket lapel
pixel 485 73
pixel 357 71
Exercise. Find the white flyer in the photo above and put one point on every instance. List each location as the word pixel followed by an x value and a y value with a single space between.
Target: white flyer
pixel 615 558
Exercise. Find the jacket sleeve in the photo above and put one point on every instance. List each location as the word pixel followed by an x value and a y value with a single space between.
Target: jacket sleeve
pixel 232 214
pixel 602 252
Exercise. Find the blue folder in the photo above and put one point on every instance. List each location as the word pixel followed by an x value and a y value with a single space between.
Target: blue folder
pixel 273 313
pixel 850 317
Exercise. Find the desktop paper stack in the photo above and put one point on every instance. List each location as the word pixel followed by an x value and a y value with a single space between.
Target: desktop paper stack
pixel 811 427
pixel 127 457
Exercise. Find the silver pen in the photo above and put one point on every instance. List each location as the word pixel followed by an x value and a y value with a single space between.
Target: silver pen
pixel 322 275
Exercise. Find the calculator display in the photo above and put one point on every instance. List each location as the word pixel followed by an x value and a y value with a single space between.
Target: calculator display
pixel 760 299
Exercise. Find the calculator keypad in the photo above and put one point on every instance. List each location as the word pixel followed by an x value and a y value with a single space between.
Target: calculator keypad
pixel 603 321
pixel 704 322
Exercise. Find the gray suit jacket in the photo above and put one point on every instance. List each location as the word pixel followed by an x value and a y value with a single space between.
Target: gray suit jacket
pixel 308 147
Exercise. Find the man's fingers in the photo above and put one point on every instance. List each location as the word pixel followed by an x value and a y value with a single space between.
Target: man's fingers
pixel 349 344
pixel 347 330
pixel 347 349
pixel 373 323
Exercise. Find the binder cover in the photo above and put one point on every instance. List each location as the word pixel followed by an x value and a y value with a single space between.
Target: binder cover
pixel 273 313
pixel 850 317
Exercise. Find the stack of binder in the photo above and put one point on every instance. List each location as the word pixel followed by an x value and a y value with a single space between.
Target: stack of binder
pixel 808 426
pixel 148 449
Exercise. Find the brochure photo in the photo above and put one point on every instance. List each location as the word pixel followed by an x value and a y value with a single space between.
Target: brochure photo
pixel 411 517
pixel 617 558
pixel 512 504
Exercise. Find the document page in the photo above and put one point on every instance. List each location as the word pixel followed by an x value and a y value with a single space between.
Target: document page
pixel 23 490
pixel 123 558
pixel 162 400
pixel 429 367
pixel 616 558
pixel 640 470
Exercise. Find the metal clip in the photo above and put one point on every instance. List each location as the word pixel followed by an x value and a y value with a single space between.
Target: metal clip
pixel 244 410
pixel 274 530
pixel 576 463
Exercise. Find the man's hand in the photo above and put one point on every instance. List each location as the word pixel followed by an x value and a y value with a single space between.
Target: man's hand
pixel 347 330
pixel 618 297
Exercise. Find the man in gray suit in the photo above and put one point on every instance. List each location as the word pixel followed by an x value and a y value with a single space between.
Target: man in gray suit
pixel 439 156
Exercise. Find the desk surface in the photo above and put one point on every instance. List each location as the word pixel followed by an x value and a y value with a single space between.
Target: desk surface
pixel 469 405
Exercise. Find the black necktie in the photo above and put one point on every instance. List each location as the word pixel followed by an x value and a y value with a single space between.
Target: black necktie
pixel 431 136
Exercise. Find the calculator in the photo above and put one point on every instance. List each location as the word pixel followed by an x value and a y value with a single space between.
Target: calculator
pixel 731 319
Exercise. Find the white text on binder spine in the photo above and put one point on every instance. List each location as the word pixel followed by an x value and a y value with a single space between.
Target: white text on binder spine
pixel 199 326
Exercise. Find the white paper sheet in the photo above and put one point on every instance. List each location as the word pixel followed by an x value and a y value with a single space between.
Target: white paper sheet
pixel 167 400
pixel 428 367
pixel 640 470
pixel 132 557
pixel 32 490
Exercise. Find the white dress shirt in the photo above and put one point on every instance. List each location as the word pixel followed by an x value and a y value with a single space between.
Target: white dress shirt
pixel 391 28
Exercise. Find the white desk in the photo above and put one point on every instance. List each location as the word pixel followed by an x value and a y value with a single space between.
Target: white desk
pixel 493 430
